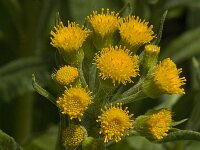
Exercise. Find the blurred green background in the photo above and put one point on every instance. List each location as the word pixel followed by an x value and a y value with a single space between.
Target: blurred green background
pixel 24 49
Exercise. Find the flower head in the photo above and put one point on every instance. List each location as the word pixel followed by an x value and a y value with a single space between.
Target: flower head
pixel 66 75
pixel 166 77
pixel 135 32
pixel 155 124
pixel 159 123
pixel 73 136
pixel 117 64
pixel 104 24
pixel 74 102
pixel 115 122
pixel 68 38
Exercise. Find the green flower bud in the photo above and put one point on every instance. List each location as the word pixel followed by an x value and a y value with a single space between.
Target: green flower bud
pixel 150 57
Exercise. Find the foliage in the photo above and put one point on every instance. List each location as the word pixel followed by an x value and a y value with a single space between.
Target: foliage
pixel 25 49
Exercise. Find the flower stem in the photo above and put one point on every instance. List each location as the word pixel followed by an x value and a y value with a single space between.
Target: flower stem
pixel 132 98
pixel 64 122
pixel 23 117
pixel 82 78
pixel 133 89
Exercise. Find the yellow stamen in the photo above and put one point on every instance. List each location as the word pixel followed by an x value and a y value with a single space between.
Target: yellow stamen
pixel 73 136
pixel 159 124
pixel 166 77
pixel 68 38
pixel 104 24
pixel 135 32
pixel 117 64
pixel 74 102
pixel 66 75
pixel 115 122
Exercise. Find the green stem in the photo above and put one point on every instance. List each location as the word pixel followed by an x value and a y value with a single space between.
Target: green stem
pixel 126 5
pixel 131 133
pixel 100 100
pixel 104 93
pixel 23 117
pixel 82 78
pixel 133 89
pixel 132 98
pixel 118 93
pixel 64 121
pixel 178 134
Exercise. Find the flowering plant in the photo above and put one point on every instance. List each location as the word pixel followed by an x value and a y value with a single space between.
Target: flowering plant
pixel 108 64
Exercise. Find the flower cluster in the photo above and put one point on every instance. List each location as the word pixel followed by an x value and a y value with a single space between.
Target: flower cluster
pixel 92 91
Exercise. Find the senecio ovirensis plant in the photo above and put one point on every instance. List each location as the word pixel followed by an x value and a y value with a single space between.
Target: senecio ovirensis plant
pixel 110 62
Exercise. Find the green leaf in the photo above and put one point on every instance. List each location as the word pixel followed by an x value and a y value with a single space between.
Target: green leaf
pixel 183 47
pixel 126 9
pixel 193 145
pixel 195 74
pixel 42 91
pixel 179 122
pixel 168 101
pixel 87 8
pixel 45 141
pixel 141 143
pixel 14 10
pixel 175 3
pixel 159 34
pixel 8 143
pixel 194 122
pixel 92 78
pixel 193 15
pixel 15 77
pixel 181 135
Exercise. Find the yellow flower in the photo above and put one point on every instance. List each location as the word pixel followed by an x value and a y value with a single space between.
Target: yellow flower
pixel 68 38
pixel 166 78
pixel 159 124
pixel 135 32
pixel 73 136
pixel 66 75
pixel 74 102
pixel 104 24
pixel 117 64
pixel 115 122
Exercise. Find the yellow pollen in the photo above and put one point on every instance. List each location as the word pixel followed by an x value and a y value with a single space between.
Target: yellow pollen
pixel 159 124
pixel 166 77
pixel 74 102
pixel 115 122
pixel 73 136
pixel 66 75
pixel 135 32
pixel 104 24
pixel 68 38
pixel 117 64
